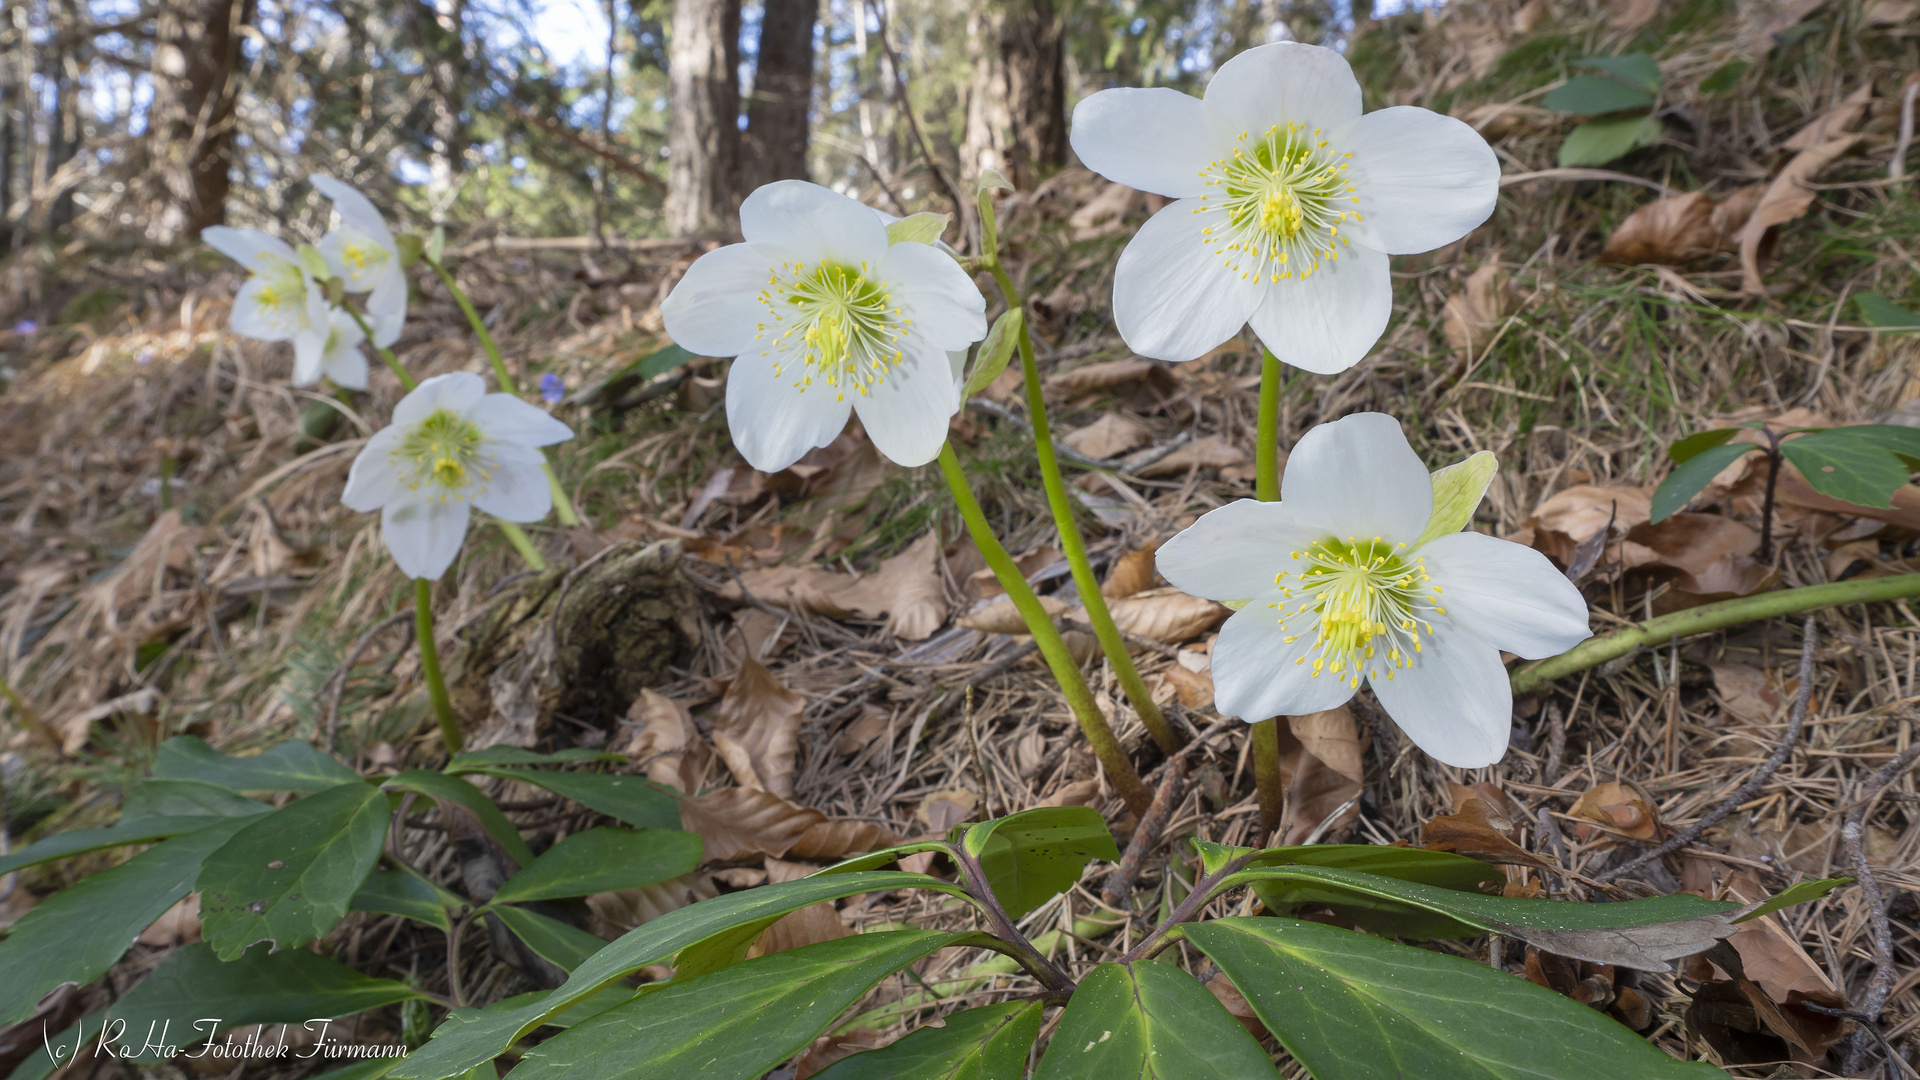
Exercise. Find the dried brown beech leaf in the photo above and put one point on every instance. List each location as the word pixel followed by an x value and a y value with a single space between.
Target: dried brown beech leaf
pixel 1577 514
pixel 667 741
pixel 757 729
pixel 1167 614
pixel 1131 573
pixel 1611 990
pixel 754 634
pixel 1314 791
pixel 1001 617
pixel 982 583
pixel 1106 375
pixel 1747 694
pixel 1470 832
pixel 1675 230
pixel 871 723
pixel 807 926
pixel 944 809
pixel 1078 793
pixel 743 821
pixel 906 588
pixel 833 838
pixel 802 588
pixel 1110 436
pixel 1334 738
pixel 1712 553
pixel 1745 1026
pixel 1473 315
pixel 1236 1003
pixel 1191 677
pixel 1633 14
pixel 1618 809
pixel 1786 199
pixel 1212 452
pixel 1835 122
pixel 615 913
pixel 1772 957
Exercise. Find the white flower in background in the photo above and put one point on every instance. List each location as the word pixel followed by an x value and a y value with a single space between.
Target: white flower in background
pixel 452 447
pixel 1340 588
pixel 1287 203
pixel 281 301
pixel 362 253
pixel 340 359
pixel 826 319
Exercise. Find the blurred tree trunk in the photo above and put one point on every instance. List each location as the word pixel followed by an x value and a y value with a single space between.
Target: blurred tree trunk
pixel 63 123
pixel 703 136
pixel 190 129
pixel 11 98
pixel 443 38
pixel 1017 105
pixel 776 142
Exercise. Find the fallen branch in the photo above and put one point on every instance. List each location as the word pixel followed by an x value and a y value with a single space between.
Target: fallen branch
pixel 1760 776
pixel 1119 890
pixel 1852 836
pixel 1709 617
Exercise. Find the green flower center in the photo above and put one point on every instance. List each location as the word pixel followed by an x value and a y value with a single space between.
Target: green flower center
pixel 1367 600
pixel 1285 196
pixel 281 286
pixel 443 452
pixel 833 323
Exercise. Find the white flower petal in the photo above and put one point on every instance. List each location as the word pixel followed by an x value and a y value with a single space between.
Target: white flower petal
pixel 343 361
pixel 715 308
pixel 1424 180
pixel 906 413
pixel 1257 673
pixel 1507 595
pixel 456 391
pixel 772 423
pixel 373 482
pixel 1454 702
pixel 515 492
pixel 815 222
pixel 930 288
pixel 250 248
pixel 309 354
pixel 356 210
pixel 263 322
pixel 1173 299
pixel 387 306
pixel 1282 83
pixel 505 418
pixel 1326 323
pixel 1359 476
pixel 1233 552
pixel 424 536
pixel 1156 139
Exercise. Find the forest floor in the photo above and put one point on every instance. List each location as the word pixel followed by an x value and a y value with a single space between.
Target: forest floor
pixel 176 559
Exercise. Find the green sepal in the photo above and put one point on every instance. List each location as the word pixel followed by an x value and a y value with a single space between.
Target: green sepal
pixel 996 350
pixel 921 228
pixel 1457 491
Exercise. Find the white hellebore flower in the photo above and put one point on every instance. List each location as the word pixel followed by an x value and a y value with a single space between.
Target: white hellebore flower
pixel 826 319
pixel 281 301
pixel 1287 203
pixel 1344 579
pixel 340 359
pixel 362 253
pixel 451 447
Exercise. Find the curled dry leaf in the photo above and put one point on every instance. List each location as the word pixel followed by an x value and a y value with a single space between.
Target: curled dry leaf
pixel 1131 573
pixel 1471 831
pixel 944 809
pixel 1835 122
pixel 1570 517
pixel 1333 737
pixel 1473 315
pixel 1314 791
pixel 615 913
pixel 1107 375
pixel 1772 957
pixel 1167 615
pixel 906 588
pixel 810 589
pixel 1675 230
pixel 667 742
pixel 1212 452
pixel 1786 199
pixel 982 583
pixel 1001 617
pixel 1747 694
pixel 1711 554
pixel 757 729
pixel 754 634
pixel 1618 809
pixel 735 822
pixel 1110 436
pixel 1078 793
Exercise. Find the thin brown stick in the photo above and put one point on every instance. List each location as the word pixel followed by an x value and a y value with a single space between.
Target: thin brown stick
pixel 1119 890
pixel 1852 836
pixel 345 671
pixel 1808 638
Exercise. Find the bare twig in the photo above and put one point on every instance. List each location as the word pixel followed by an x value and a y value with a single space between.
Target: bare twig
pixel 1119 888
pixel 1852 836
pixel 1760 776
pixel 338 681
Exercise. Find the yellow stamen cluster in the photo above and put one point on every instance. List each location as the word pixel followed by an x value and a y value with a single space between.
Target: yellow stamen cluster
pixel 1285 196
pixel 281 286
pixel 443 454
pixel 835 323
pixel 1368 602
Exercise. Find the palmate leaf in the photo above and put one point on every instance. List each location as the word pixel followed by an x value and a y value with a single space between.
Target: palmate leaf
pixel 466 1041
pixel 291 766
pixel 632 799
pixel 604 860
pixel 1354 1007
pixel 988 1043
pixel 1032 856
pixel 695 1031
pixel 192 986
pixel 1863 465
pixel 1644 934
pixel 79 932
pixel 1151 1021
pixel 288 876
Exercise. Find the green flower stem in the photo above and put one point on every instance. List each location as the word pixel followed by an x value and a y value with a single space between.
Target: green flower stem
pixel 430 665
pixel 1047 638
pixel 1074 546
pixel 562 505
pixel 1709 617
pixel 407 381
pixel 1267 781
pixel 523 544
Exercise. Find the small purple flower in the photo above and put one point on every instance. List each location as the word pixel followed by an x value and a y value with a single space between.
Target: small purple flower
pixel 145 357
pixel 552 389
pixel 26 328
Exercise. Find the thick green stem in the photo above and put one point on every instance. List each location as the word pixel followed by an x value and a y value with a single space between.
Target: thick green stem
pixel 1047 638
pixel 1075 547
pixel 1710 617
pixel 1266 487
pixel 562 505
pixel 430 665
pixel 393 362
pixel 523 544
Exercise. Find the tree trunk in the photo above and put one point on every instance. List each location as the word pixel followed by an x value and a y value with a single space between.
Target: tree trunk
pixel 1032 43
pixel 776 142
pixel 989 126
pixel 703 138
pixel 444 37
pixel 11 97
pixel 191 123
